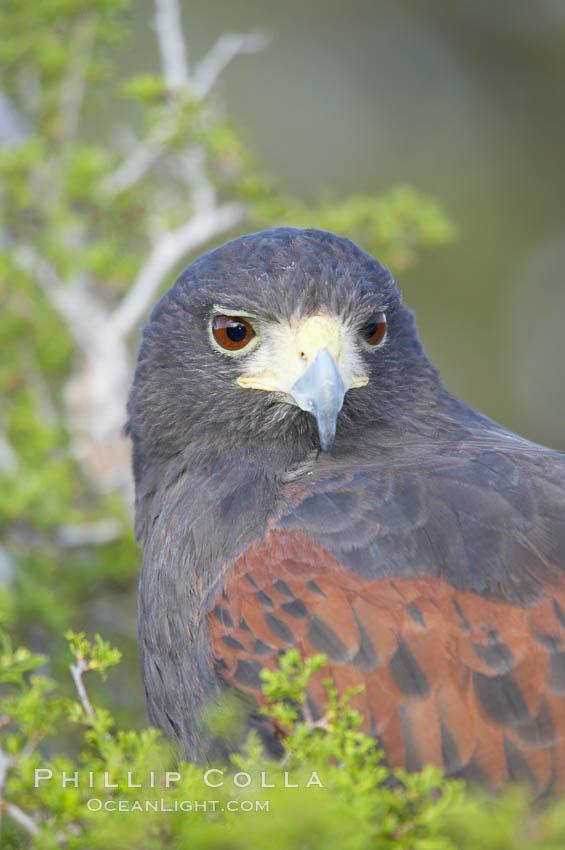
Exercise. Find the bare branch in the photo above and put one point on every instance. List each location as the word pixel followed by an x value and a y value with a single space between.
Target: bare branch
pixel 147 153
pixel 142 158
pixel 27 750
pixel 174 59
pixel 30 261
pixel 74 84
pixel 6 762
pixel 144 155
pixel 166 254
pixel 77 670
pixel 80 308
pixel 192 171
pixel 14 128
pixel 219 56
pixel 20 817
pixel 39 385
pixel 96 394
pixel 8 457
pixel 7 576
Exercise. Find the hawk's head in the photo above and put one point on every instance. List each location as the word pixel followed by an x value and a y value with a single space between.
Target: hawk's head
pixel 282 335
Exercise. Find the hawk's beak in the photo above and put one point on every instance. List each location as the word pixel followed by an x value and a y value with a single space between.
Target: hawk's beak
pixel 310 364
pixel 320 391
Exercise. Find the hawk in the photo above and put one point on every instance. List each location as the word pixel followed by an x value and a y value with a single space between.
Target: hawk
pixel 304 479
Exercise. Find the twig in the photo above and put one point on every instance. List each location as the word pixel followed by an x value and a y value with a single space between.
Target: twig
pixel 144 155
pixel 77 670
pixel 321 723
pixel 70 101
pixel 148 152
pixel 8 457
pixel 174 59
pixel 7 576
pixel 73 302
pixel 30 261
pixel 191 167
pixel 14 128
pixel 135 166
pixel 74 84
pixel 83 313
pixel 219 56
pixel 38 384
pixel 6 762
pixel 28 749
pixel 166 254
pixel 20 817
pixel 307 714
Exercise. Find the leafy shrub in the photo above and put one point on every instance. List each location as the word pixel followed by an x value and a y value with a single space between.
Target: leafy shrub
pixel 331 789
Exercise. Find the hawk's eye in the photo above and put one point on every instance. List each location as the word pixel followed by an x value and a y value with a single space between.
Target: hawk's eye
pixel 375 329
pixel 232 332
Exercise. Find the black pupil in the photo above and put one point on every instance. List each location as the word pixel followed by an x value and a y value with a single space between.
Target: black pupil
pixel 236 331
pixel 371 329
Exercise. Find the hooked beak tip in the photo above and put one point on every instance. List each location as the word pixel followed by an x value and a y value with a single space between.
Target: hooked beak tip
pixel 327 441
pixel 320 391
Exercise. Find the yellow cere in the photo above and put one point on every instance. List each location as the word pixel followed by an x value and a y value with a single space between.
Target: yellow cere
pixel 360 381
pixel 286 352
pixel 316 333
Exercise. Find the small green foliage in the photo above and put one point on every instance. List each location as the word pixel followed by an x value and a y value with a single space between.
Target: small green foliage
pixel 148 88
pixel 29 708
pixel 96 656
pixel 330 790
pixel 395 227
pixel 285 688
pixel 14 663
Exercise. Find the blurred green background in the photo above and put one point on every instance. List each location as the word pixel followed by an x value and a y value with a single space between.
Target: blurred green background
pixel 465 99
pixel 433 134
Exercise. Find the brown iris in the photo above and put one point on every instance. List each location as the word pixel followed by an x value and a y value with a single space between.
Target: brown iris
pixel 232 332
pixel 375 329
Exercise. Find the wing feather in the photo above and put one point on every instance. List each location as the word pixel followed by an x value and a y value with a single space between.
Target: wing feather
pixel 440 590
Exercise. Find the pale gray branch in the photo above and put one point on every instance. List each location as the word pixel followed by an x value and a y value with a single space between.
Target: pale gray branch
pixel 60 296
pixel 147 153
pixel 27 750
pixel 166 254
pixel 77 670
pixel 142 158
pixel 226 48
pixel 144 155
pixel 96 394
pixel 191 168
pixel 82 311
pixel 8 457
pixel 14 128
pixel 39 385
pixel 7 576
pixel 30 261
pixel 174 59
pixel 6 762
pixel 22 818
pixel 74 84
